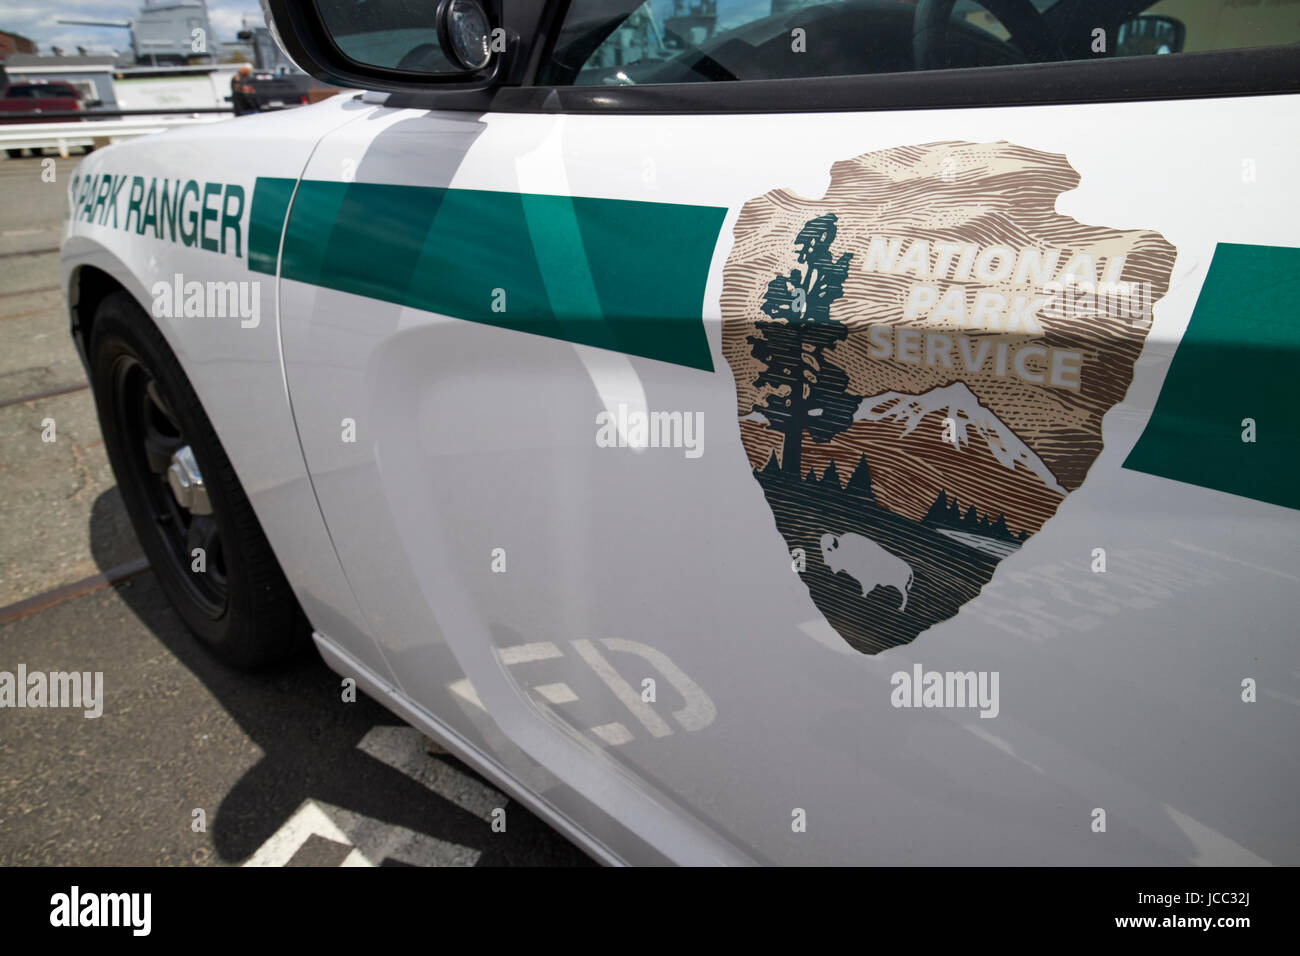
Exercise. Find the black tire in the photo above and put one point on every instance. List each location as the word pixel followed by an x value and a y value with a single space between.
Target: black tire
pixel 241 606
pixel 16 153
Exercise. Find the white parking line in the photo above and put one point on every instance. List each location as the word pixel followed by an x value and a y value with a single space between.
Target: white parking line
pixel 527 653
pixel 614 734
pixel 309 820
pixel 560 693
pixel 622 689
pixel 466 692
pixel 373 841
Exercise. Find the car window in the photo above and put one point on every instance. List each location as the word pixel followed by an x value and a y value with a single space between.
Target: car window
pixel 40 90
pixel 623 42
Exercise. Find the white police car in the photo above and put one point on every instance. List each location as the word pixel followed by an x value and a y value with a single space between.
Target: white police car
pixel 748 430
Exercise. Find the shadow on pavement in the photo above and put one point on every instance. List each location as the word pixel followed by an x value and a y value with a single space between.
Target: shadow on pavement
pixel 295 714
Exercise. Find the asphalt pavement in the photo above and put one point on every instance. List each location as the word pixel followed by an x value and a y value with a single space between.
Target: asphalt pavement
pixel 191 763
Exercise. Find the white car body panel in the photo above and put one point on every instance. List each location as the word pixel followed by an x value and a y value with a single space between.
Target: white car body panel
pixel 238 378
pixel 1119 691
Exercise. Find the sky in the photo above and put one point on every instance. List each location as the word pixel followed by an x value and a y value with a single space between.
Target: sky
pixel 38 20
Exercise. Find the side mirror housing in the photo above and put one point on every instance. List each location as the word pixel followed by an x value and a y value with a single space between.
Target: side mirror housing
pixel 407 46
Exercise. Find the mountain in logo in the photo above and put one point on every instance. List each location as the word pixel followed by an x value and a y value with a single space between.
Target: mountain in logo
pixel 960 412
pixel 943 441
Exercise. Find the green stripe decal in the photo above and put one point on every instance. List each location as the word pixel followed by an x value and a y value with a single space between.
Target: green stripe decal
pixel 616 274
pixel 265 220
pixel 1237 361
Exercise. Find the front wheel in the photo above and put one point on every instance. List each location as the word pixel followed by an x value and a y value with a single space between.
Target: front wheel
pixel 193 519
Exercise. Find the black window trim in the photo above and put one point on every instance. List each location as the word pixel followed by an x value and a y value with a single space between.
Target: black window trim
pixel 1252 71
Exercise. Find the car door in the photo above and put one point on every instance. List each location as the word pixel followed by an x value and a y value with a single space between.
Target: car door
pixel 746 462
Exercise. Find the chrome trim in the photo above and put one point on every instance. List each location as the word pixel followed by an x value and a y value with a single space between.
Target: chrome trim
pixel 187 482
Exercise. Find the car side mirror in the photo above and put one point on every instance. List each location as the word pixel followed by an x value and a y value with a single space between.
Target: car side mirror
pixel 405 46
pixel 1146 35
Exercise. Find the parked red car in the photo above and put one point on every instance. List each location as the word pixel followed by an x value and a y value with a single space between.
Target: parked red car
pixel 51 96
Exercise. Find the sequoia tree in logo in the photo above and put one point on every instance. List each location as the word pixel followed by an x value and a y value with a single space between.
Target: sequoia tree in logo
pixel 922 360
pixel 803 390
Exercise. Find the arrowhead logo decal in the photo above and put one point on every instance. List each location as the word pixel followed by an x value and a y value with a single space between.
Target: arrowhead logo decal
pixel 922 359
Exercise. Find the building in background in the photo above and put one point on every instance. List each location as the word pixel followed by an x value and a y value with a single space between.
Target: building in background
pixel 174 63
pixel 174 31
pixel 11 43
pixel 167 33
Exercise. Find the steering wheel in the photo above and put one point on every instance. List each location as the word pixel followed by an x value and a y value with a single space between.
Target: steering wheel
pixel 1020 17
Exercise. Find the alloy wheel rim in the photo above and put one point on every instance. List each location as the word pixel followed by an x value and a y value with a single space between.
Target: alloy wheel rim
pixel 153 440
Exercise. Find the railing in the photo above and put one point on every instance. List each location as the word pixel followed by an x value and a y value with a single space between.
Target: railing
pixel 95 127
